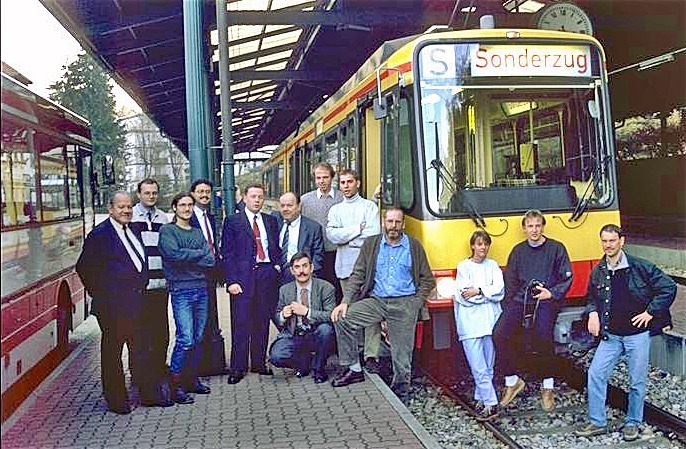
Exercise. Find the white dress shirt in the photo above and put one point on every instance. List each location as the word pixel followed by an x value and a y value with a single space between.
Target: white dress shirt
pixel 263 233
pixel 136 254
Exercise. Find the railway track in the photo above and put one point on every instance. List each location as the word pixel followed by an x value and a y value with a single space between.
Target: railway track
pixel 524 425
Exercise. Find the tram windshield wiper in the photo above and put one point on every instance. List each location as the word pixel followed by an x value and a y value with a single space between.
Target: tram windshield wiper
pixel 451 183
pixel 591 188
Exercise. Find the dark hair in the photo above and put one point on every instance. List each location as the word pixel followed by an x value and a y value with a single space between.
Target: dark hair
pixel 148 181
pixel 326 166
pixel 255 185
pixel 300 255
pixel 612 228
pixel 533 213
pixel 391 208
pixel 480 234
pixel 349 172
pixel 197 182
pixel 297 197
pixel 178 197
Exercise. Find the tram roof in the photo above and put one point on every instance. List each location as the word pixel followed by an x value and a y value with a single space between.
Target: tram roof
pixel 284 63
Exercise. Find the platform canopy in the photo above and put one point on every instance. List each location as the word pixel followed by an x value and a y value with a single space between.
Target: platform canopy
pixel 287 56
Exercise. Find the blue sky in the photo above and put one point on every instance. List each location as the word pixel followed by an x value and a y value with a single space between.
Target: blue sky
pixel 36 44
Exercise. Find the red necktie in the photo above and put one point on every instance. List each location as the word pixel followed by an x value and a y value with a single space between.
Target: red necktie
pixel 210 240
pixel 258 240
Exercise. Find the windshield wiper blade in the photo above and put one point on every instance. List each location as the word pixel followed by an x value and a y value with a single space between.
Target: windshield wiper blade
pixel 453 185
pixel 592 187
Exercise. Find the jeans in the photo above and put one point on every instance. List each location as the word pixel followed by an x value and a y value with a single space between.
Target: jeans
pixel 190 308
pixel 637 351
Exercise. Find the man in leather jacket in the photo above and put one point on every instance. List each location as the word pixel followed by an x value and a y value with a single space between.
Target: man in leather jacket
pixel 629 302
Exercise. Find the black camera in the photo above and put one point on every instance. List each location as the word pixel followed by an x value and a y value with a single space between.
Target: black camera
pixel 302 329
pixel 533 288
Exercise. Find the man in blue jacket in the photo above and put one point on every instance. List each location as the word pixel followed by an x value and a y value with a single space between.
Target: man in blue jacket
pixel 252 266
pixel 629 301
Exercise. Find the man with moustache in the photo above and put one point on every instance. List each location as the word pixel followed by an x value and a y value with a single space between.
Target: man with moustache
pixel 203 219
pixel 113 269
pixel 316 205
pixel 146 222
pixel 349 224
pixel 298 234
pixel 537 278
pixel 390 282
pixel 629 302
pixel 250 246
pixel 303 313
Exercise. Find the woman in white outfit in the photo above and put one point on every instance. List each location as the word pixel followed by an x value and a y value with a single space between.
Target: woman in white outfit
pixel 480 288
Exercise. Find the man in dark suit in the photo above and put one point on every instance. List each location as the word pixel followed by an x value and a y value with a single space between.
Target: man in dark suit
pixel 213 357
pixel 113 269
pixel 252 264
pixel 303 313
pixel 298 234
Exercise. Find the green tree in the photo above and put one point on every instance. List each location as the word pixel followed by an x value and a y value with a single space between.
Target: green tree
pixel 85 89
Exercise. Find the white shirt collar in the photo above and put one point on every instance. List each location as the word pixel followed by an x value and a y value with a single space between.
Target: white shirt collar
pixel 320 194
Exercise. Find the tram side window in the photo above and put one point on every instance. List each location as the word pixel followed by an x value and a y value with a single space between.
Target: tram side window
pixel 331 151
pixel 398 161
pixel 88 188
pixel 18 176
pixel 351 156
pixel 73 181
pixel 53 176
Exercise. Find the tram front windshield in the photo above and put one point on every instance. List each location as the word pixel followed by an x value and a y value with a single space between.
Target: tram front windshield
pixel 507 128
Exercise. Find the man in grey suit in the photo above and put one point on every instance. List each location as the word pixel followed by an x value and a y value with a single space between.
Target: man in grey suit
pixel 298 234
pixel 304 311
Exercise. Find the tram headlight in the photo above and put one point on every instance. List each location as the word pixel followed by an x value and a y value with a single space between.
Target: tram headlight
pixel 445 288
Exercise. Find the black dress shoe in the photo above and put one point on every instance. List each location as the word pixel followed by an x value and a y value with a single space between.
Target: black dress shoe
pixel 119 408
pixel 302 373
pixel 262 371
pixel 320 378
pixel 234 378
pixel 372 365
pixel 199 387
pixel 347 378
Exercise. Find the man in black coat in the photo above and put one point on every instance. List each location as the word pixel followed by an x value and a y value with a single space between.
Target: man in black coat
pixel 113 269
pixel 252 266
pixel 298 234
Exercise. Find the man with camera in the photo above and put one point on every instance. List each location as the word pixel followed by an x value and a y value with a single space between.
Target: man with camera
pixel 305 306
pixel 537 278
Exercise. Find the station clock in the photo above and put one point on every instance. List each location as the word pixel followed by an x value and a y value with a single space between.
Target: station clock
pixel 564 16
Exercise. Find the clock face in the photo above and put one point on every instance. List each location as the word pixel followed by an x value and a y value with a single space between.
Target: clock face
pixel 565 17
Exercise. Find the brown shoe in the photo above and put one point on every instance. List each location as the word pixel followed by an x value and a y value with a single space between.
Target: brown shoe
pixel 512 392
pixel 548 399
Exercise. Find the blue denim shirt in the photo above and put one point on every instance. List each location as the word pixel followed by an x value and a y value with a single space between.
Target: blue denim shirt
pixel 393 275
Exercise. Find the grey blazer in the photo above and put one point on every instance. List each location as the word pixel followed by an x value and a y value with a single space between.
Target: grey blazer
pixel 322 302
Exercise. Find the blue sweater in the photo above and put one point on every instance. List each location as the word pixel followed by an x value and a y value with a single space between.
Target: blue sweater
pixel 186 257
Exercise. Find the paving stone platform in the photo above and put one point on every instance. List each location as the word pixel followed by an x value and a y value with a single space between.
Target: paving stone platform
pixel 280 412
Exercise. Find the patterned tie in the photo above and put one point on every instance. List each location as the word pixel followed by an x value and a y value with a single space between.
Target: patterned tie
pixel 210 240
pixel 284 244
pixel 258 239
pixel 304 301
pixel 133 247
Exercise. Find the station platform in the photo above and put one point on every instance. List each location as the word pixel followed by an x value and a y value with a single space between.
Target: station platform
pixel 281 411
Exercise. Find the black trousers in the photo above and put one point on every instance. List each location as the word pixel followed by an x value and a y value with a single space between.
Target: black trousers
pixel 533 348
pixel 119 326
pixel 250 317
pixel 155 337
pixel 329 273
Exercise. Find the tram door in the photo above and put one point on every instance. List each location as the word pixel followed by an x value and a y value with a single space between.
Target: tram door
pixel 370 143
